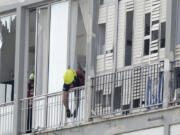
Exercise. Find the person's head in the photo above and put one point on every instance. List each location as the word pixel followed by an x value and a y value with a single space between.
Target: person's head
pixel 69 77
pixel 31 76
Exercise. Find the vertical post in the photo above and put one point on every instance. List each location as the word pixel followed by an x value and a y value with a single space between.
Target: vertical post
pixel 19 67
pixel 92 40
pixel 115 51
pixel 169 50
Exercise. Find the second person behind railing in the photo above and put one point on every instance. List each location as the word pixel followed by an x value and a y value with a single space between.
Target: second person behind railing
pixel 72 79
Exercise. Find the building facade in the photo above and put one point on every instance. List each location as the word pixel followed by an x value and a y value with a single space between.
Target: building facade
pixel 128 49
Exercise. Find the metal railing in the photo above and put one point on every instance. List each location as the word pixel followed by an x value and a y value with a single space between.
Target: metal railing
pixel 48 112
pixel 175 83
pixel 6 118
pixel 128 91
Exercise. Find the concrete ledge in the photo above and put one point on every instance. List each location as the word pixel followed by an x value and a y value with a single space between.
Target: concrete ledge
pixel 120 124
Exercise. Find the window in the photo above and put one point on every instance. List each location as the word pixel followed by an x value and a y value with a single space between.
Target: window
pixel 155 22
pixel 7 57
pixel 155 35
pixel 102 29
pixel 129 36
pixel 105 1
pixel 58 45
pixel 146 46
pixel 42 50
pixel 48 46
pixel 177 78
pixel 147 24
pixel 80 45
pixel 163 34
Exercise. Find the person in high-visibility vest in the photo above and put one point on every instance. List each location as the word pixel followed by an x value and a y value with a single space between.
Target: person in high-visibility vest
pixel 71 79
pixel 30 94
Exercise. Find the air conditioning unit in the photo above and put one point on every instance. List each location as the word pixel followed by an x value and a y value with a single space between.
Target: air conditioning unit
pixel 177 95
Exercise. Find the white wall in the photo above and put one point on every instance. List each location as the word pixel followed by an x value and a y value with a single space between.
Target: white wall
pixel 152 131
pixel 175 129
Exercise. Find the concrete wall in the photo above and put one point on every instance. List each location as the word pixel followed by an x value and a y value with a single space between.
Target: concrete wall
pixel 140 8
pixel 122 125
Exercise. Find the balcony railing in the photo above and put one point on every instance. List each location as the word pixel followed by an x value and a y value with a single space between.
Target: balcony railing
pixel 48 112
pixel 128 91
pixel 6 118
pixel 175 83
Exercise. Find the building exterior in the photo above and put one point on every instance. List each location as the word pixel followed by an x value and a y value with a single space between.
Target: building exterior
pixel 129 50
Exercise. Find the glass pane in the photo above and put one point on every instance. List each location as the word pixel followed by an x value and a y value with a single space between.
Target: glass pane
pixel 32 33
pixel 129 37
pixel 155 35
pixel 58 45
pixel 42 51
pixel 81 38
pixel 163 34
pixel 31 53
pixel 146 47
pixel 102 29
pixel 147 24
pixel 7 50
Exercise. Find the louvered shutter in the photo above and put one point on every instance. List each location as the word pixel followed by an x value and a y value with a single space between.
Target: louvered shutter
pixel 155 17
pixel 107 15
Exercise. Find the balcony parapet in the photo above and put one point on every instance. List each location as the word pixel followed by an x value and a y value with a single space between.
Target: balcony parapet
pixel 48 112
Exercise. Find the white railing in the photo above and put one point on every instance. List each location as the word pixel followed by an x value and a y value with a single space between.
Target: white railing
pixel 48 112
pixel 6 118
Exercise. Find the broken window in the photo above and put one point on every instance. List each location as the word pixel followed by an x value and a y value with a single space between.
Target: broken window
pixel 7 57
pixel 163 34
pixel 129 38
pixel 146 46
pixel 147 24
pixel 102 30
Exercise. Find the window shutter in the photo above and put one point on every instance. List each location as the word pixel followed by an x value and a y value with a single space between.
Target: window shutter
pixel 155 27
pixel 107 15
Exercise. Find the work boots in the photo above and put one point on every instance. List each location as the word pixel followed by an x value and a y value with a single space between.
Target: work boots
pixel 68 113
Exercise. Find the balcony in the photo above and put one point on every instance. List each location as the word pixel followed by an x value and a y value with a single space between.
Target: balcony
pixel 128 91
pixel 48 112
pixel 131 91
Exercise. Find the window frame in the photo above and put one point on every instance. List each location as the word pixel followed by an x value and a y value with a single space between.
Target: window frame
pixel 27 41
pixel 10 82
